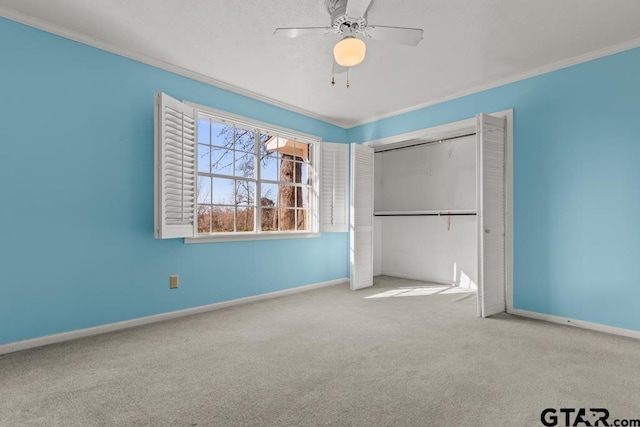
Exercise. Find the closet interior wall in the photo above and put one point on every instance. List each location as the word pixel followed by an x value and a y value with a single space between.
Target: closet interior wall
pixel 425 205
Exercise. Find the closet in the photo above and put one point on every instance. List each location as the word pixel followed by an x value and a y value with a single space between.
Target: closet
pixel 441 209
pixel 425 211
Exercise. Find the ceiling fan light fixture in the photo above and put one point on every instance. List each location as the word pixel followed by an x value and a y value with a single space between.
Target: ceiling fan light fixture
pixel 349 51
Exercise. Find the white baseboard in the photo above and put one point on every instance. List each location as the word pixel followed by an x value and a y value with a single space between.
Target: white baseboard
pixel 80 333
pixel 577 323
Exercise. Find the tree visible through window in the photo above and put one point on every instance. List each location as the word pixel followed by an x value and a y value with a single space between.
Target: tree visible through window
pixel 237 166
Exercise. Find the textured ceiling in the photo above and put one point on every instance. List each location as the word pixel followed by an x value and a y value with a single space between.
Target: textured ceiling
pixel 468 44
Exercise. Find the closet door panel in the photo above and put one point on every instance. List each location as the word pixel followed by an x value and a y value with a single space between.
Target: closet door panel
pixel 361 233
pixel 491 215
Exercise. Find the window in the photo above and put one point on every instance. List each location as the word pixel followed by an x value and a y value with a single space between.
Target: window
pixel 253 180
pixel 222 177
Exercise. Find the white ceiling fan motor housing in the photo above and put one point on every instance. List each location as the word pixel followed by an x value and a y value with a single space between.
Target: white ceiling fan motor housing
pixel 342 23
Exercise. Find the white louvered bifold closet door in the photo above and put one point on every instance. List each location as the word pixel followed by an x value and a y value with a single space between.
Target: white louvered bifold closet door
pixel 361 238
pixel 334 181
pixel 175 168
pixel 491 141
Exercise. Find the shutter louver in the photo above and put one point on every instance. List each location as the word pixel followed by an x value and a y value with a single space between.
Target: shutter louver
pixel 175 169
pixel 334 179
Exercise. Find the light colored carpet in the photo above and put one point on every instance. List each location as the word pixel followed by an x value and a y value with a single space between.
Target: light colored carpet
pixel 325 357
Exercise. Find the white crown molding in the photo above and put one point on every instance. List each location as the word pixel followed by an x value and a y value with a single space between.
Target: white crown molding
pixel 632 44
pixel 72 35
pixel 110 327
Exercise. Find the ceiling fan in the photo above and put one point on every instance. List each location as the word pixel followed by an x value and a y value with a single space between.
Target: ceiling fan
pixel 349 20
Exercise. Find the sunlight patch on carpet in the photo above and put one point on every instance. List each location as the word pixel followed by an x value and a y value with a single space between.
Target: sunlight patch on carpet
pixel 420 291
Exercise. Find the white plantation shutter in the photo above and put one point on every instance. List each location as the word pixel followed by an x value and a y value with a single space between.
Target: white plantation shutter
pixel 334 180
pixel 175 168
pixel 491 214
pixel 361 239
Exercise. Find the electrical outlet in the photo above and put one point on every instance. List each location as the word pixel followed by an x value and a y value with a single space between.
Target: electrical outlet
pixel 173 281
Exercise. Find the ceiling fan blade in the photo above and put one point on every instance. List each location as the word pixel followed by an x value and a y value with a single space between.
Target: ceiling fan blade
pixel 304 31
pixel 357 8
pixel 408 36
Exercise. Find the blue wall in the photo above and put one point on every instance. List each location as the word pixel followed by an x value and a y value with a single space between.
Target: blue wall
pixel 76 181
pixel 576 184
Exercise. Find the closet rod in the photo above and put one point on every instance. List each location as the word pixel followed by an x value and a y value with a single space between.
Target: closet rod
pixel 435 141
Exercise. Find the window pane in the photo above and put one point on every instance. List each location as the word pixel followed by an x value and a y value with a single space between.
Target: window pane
pixel 304 201
pixel 311 173
pixel 276 144
pixel 223 220
pixel 286 169
pixel 245 219
pixel 269 168
pixel 264 141
pixel 204 219
pixel 204 189
pixel 203 158
pixel 221 161
pixel 299 173
pixel 223 191
pixel 203 131
pixel 245 164
pixel 222 135
pixel 287 219
pixel 268 219
pixel 245 192
pixel 302 219
pixel 245 140
pixel 300 150
pixel 268 194
pixel 290 196
pixel 304 172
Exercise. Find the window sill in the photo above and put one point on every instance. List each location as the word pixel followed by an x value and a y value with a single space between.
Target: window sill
pixel 248 237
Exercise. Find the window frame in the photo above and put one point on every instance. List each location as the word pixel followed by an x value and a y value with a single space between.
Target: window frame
pixel 261 128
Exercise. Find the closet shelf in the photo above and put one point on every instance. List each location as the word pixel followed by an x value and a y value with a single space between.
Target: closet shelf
pixel 425 213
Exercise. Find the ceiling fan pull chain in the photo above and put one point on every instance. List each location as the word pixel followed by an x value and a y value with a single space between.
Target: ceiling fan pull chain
pixel 333 74
pixel 348 78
